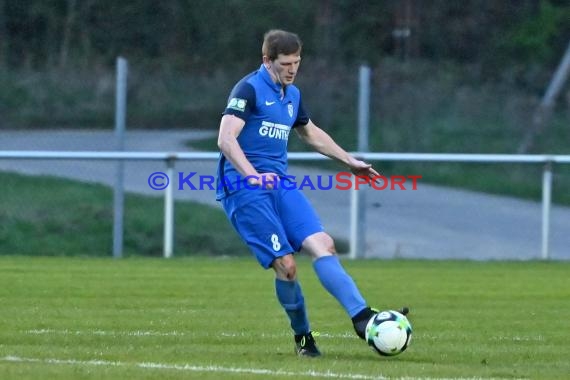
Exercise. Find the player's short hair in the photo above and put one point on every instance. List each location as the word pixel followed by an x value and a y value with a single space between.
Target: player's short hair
pixel 278 41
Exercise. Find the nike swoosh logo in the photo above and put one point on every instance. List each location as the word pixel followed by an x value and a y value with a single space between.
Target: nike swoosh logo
pixel 269 103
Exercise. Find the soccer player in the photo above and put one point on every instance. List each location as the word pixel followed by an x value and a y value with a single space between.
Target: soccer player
pixel 273 218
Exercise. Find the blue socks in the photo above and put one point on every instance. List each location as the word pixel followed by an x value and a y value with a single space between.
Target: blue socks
pixel 334 279
pixel 339 284
pixel 291 298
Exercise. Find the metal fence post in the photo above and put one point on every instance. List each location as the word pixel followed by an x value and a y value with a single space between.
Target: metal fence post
pixel 169 209
pixel 119 192
pixel 358 197
pixel 546 204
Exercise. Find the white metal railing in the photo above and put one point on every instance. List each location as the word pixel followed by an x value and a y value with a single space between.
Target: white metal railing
pixel 171 157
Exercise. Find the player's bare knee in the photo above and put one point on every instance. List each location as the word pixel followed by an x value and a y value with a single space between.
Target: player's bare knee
pixel 319 245
pixel 326 243
pixel 329 244
pixel 285 267
pixel 290 268
pixel 291 273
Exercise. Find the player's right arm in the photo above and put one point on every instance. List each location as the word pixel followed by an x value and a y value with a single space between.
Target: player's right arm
pixel 230 128
pixel 238 110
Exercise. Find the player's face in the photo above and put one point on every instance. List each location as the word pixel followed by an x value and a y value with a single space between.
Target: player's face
pixel 284 68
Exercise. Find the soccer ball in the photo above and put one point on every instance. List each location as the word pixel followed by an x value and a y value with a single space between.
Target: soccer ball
pixel 389 333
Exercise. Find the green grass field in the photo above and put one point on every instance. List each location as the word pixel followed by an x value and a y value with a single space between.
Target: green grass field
pixel 42 215
pixel 212 318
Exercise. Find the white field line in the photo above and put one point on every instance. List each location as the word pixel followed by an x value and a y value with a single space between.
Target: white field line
pixel 345 335
pixel 516 338
pixel 103 332
pixel 169 333
pixel 219 369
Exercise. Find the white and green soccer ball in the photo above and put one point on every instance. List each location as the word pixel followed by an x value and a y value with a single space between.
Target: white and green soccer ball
pixel 389 333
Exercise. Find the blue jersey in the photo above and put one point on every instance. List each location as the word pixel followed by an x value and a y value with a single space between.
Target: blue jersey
pixel 256 99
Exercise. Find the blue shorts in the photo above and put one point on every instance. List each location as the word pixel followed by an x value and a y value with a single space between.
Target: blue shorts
pixel 273 223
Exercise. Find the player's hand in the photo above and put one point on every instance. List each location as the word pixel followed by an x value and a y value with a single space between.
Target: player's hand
pixel 264 180
pixel 362 169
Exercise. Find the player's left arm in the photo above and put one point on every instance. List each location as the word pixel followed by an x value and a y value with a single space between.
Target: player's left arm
pixel 323 143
